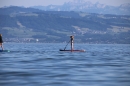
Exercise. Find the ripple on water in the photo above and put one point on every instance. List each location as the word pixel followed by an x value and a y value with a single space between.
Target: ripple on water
pixel 38 64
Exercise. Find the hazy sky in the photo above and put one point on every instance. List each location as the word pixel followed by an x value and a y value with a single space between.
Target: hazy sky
pixel 28 3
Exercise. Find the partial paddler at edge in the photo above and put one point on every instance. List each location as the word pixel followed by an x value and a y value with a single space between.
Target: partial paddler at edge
pixel 1 42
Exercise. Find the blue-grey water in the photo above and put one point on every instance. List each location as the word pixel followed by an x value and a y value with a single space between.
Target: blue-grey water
pixel 42 64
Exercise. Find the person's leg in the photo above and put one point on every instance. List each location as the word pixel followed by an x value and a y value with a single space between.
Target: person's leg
pixel 72 48
pixel 2 46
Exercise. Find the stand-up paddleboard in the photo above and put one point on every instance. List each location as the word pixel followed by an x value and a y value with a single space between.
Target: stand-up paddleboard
pixel 73 50
pixel 4 51
pixel 72 46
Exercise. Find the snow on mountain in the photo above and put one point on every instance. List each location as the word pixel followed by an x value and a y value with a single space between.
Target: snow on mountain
pixel 87 6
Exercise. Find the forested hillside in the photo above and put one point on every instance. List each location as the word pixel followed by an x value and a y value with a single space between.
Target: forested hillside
pixel 27 24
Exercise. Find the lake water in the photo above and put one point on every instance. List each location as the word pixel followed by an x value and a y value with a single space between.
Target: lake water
pixel 42 64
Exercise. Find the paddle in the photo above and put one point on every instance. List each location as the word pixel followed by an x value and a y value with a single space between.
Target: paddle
pixel 66 45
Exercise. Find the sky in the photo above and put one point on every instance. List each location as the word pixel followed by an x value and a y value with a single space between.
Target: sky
pixel 28 3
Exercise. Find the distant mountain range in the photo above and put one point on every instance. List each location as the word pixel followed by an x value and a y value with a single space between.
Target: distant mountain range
pixel 19 24
pixel 89 7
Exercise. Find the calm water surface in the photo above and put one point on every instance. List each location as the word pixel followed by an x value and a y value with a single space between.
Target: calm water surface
pixel 44 65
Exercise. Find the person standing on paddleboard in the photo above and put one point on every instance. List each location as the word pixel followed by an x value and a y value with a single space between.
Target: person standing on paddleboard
pixel 1 42
pixel 72 42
